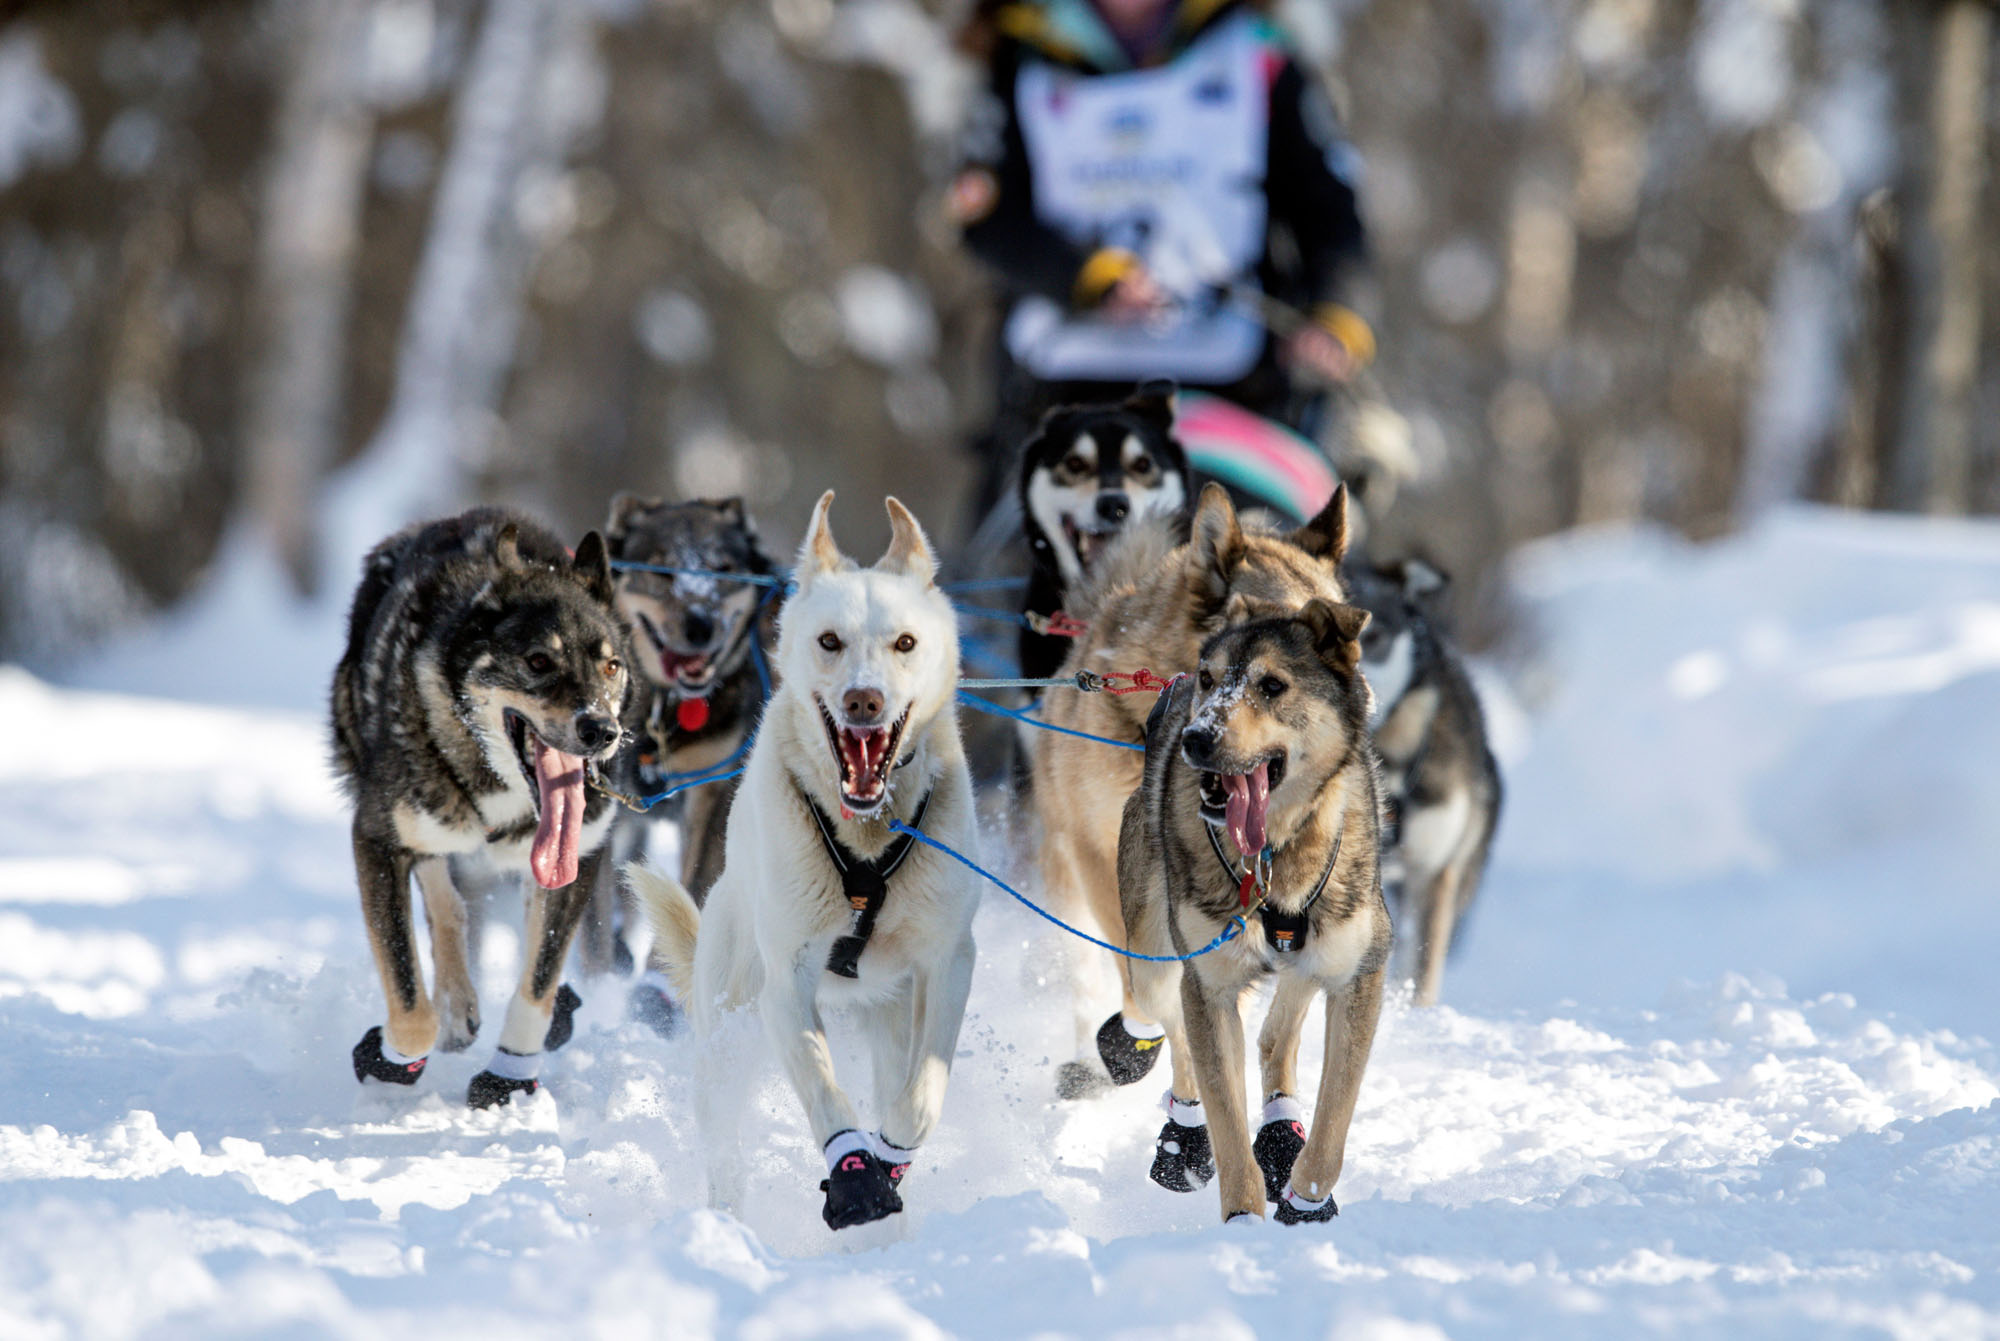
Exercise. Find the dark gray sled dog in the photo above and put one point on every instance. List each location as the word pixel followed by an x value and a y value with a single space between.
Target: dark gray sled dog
pixel 483 685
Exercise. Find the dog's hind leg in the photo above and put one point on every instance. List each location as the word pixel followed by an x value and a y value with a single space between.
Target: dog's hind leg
pixel 1351 1016
pixel 457 1000
pixel 1215 1037
pixel 553 915
pixel 383 871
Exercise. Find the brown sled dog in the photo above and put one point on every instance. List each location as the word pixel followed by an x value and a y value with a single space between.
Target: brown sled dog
pixel 1260 803
pixel 1149 604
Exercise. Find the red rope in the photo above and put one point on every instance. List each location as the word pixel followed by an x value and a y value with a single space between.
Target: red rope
pixel 1142 680
pixel 1058 625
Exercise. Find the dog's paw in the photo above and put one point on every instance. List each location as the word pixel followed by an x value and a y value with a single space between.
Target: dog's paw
pixel 371 1064
pixel 651 1006
pixel 1126 1058
pixel 562 1021
pixel 1183 1159
pixel 1277 1148
pixel 458 1025
pixel 490 1091
pixel 1078 1080
pixel 859 1190
pixel 1296 1210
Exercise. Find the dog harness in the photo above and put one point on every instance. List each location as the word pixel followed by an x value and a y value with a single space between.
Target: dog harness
pixel 1286 932
pixel 866 884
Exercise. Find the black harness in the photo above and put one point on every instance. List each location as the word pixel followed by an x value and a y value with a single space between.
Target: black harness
pixel 866 884
pixel 1286 932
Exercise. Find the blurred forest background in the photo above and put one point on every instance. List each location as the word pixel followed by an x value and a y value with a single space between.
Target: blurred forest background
pixel 1634 259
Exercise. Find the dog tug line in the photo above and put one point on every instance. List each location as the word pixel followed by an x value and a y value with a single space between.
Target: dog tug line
pixel 1255 875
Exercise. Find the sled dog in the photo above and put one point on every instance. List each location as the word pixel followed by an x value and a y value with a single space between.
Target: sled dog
pixel 1090 471
pixel 481 691
pixel 1150 605
pixel 697 641
pixel 1259 803
pixel 1441 787
pixel 820 902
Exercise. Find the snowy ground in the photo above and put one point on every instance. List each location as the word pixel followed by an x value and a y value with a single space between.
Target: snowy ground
pixel 1713 1063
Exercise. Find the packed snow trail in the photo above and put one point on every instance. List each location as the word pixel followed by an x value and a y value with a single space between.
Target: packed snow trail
pixel 1771 758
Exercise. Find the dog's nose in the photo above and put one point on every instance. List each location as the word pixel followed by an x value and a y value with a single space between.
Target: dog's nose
pixel 1198 744
pixel 595 731
pixel 1113 507
pixel 862 706
pixel 699 628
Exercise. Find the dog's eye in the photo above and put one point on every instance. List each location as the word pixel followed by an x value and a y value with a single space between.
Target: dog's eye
pixel 612 667
pixel 1141 465
pixel 830 641
pixel 1075 464
pixel 907 643
pixel 541 663
pixel 1273 686
pixel 1205 680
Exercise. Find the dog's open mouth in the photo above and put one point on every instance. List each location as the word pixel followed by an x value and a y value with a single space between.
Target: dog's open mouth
pixel 865 754
pixel 1087 543
pixel 692 671
pixel 558 782
pixel 1238 802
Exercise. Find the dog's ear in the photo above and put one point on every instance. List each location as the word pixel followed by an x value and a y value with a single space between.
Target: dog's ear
pixel 909 551
pixel 1326 534
pixel 507 549
pixel 1154 401
pixel 593 565
pixel 1215 547
pixel 624 504
pixel 1419 578
pixel 732 511
pixel 1336 632
pixel 818 554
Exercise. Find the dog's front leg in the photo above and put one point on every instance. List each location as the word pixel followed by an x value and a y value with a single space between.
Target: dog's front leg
pixel 1351 1016
pixel 1214 1022
pixel 789 1004
pixel 456 997
pixel 937 1009
pixel 382 869
pixel 553 915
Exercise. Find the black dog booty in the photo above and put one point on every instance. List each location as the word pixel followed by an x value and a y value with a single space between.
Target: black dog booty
pixel 373 1062
pixel 858 1186
pixel 1183 1158
pixel 1128 1057
pixel 1279 1142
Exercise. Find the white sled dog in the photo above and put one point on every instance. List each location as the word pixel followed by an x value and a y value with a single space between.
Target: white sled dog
pixel 819 901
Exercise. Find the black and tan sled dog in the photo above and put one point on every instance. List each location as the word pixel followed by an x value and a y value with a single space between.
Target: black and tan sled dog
pixel 482 688
pixel 700 640
pixel 1259 802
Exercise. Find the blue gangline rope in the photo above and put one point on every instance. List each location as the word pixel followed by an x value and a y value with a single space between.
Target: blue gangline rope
pixel 1229 933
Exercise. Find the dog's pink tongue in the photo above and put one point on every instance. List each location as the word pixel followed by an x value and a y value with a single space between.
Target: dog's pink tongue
pixel 559 835
pixel 1249 793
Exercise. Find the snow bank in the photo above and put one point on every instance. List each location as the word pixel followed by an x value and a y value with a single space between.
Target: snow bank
pixel 1759 761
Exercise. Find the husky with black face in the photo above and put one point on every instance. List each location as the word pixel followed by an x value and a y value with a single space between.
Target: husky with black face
pixel 481 692
pixel 700 633
pixel 1088 473
pixel 821 901
pixel 1258 811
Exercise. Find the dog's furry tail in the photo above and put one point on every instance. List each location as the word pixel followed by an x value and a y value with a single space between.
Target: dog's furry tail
pixel 675 918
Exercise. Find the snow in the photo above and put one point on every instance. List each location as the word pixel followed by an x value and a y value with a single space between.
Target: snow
pixel 1712 1064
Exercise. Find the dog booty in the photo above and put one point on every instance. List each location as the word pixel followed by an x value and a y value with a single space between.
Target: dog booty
pixel 894 1157
pixel 562 1020
pixel 652 1005
pixel 1128 1056
pixel 1278 1143
pixel 858 1186
pixel 1183 1158
pixel 1294 1209
pixel 508 1074
pixel 376 1060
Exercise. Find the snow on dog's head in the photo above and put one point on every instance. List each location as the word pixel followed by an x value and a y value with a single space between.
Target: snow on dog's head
pixel 872 653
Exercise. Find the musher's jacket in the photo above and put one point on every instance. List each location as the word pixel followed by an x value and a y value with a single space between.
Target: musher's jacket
pixel 1219 165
